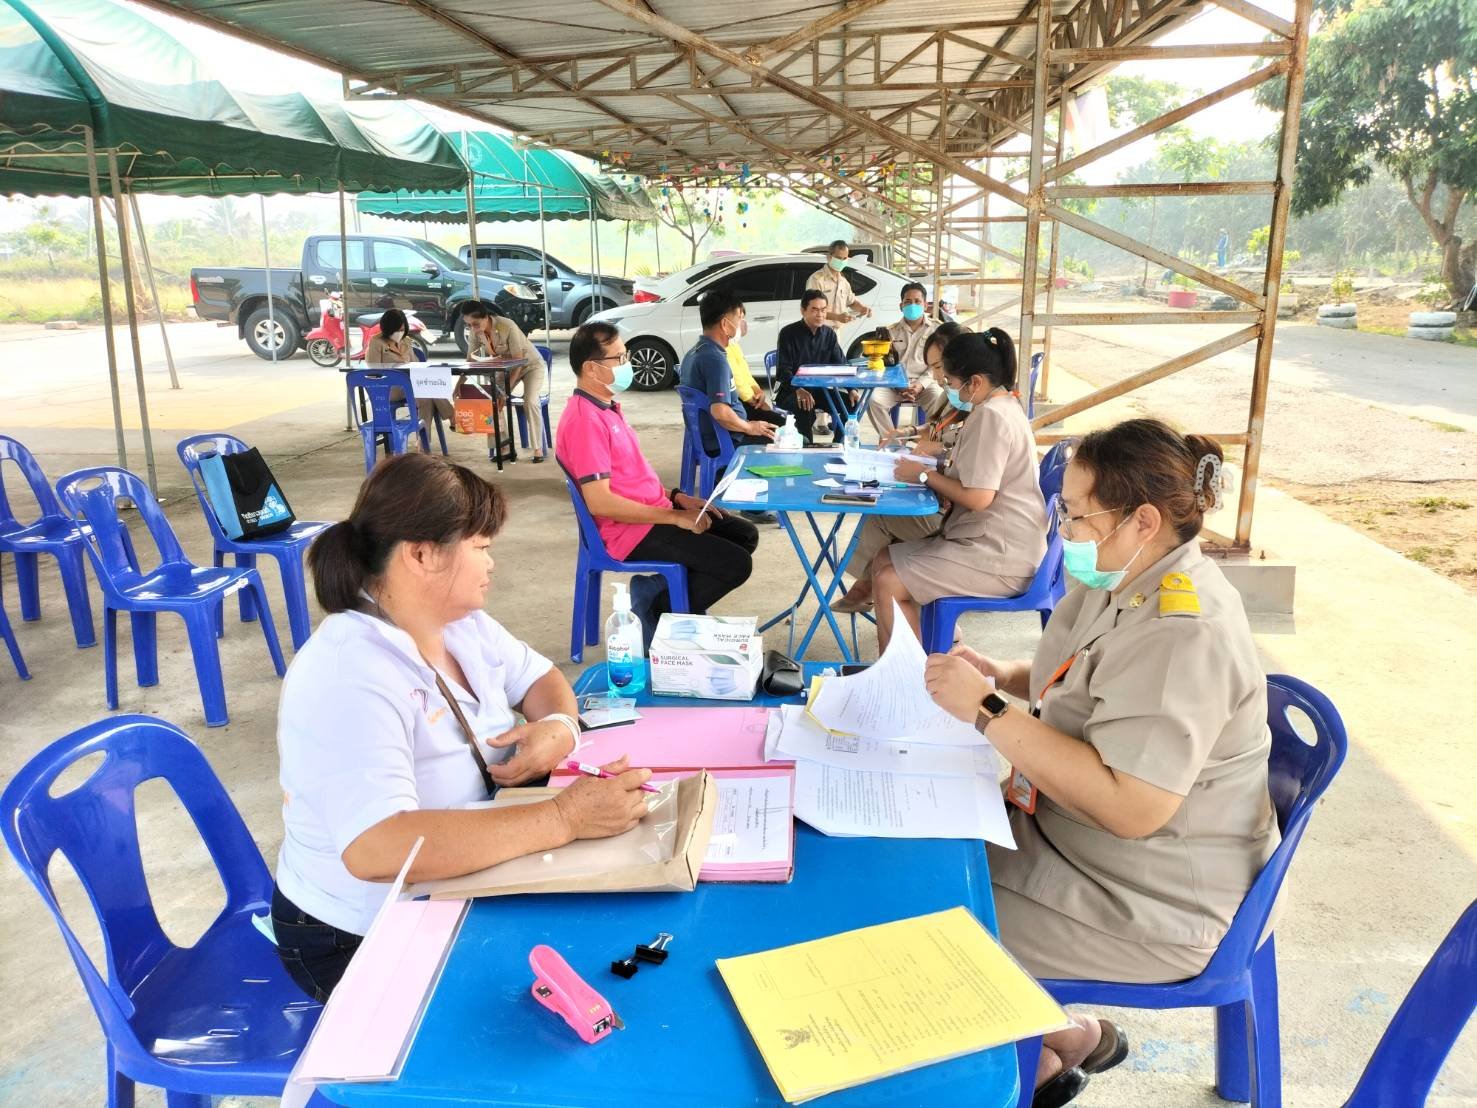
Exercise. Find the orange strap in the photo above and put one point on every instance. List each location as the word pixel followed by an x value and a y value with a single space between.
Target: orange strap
pixel 1051 682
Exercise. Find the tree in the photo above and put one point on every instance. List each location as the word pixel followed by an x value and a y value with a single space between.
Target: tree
pixel 690 217
pixel 1136 100
pixel 1391 83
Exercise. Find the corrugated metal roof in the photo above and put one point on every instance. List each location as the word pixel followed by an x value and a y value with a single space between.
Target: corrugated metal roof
pixel 590 76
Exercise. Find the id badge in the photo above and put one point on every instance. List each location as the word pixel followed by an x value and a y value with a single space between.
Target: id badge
pixel 1021 792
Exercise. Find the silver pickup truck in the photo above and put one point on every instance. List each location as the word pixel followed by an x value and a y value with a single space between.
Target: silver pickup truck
pixel 572 295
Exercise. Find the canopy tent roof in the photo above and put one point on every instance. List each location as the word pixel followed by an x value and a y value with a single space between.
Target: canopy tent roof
pixel 514 182
pixel 70 65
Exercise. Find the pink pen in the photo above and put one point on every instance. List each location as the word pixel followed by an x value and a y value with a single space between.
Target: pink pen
pixel 595 771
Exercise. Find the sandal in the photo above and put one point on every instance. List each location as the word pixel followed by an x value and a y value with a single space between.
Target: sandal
pixel 852 605
pixel 1111 1049
pixel 1064 1088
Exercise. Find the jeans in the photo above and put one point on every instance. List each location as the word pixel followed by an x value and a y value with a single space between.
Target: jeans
pixel 314 953
pixel 718 561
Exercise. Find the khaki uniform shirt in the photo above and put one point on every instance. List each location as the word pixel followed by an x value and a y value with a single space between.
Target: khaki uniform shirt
pixel 839 297
pixel 907 345
pixel 508 341
pixel 382 352
pixel 1167 687
pixel 996 450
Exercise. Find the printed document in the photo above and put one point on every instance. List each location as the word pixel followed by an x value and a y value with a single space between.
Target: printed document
pixel 837 1012
pixel 800 737
pixel 901 806
pixel 752 822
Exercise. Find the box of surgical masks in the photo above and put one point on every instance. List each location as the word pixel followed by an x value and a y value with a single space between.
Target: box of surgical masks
pixel 713 657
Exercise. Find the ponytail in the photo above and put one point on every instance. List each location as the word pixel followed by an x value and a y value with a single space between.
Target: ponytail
pixel 407 498
pixel 990 355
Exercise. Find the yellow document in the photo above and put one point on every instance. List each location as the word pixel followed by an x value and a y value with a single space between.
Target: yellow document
pixel 841 1011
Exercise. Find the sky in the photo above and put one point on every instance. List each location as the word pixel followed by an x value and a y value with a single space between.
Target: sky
pixel 256 69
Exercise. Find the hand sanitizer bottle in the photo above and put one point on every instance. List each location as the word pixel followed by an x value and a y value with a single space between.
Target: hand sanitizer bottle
pixel 789 434
pixel 625 655
pixel 853 434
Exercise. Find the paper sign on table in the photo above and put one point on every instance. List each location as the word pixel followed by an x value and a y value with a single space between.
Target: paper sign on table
pixel 841 1011
pixel 430 382
pixel 369 1023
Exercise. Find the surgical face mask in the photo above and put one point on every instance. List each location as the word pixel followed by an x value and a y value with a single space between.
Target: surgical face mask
pixel 912 312
pixel 838 264
pixel 623 375
pixel 1080 560
pixel 398 336
pixel 958 401
pixel 743 326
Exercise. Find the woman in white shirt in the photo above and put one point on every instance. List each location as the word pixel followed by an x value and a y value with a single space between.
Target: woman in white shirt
pixel 400 711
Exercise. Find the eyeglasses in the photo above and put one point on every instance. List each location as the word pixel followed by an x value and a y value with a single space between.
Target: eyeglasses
pixel 1064 520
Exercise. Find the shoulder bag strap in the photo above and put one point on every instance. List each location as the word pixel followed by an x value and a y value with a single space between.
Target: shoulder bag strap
pixel 461 718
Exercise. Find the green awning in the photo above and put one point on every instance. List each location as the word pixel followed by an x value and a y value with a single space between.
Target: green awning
pixel 508 180
pixel 74 64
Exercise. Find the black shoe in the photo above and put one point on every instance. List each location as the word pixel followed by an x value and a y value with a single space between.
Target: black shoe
pixel 760 517
pixel 1064 1088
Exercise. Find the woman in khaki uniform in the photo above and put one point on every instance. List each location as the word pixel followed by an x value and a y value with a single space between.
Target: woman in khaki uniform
pixel 937 436
pixel 991 536
pixel 497 336
pixel 391 346
pixel 1141 811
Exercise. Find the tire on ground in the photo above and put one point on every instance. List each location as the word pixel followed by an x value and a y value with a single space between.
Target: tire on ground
pixel 654 365
pixel 1337 311
pixel 258 326
pixel 1429 334
pixel 1338 322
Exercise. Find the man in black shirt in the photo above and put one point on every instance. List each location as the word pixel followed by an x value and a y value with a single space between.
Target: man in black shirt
pixel 807 341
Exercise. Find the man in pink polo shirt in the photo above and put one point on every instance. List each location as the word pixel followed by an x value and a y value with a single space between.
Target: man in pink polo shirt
pixel 639 519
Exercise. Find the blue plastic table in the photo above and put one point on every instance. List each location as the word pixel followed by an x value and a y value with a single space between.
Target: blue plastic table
pixel 802 495
pixel 486 1041
pixel 835 388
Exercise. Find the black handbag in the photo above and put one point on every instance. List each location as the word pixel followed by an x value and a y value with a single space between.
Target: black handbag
pixel 782 675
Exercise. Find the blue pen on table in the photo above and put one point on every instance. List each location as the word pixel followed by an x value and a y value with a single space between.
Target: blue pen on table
pixel 595 771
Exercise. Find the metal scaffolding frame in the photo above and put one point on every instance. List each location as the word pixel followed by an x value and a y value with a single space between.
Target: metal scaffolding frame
pixel 858 107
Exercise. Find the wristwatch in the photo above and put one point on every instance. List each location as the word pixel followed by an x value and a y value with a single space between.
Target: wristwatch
pixel 923 477
pixel 992 707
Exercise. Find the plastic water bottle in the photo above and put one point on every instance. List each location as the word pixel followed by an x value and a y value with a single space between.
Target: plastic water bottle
pixel 853 434
pixel 625 655
pixel 789 435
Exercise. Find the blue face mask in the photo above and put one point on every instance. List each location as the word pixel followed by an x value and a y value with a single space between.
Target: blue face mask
pixel 961 404
pixel 912 312
pixel 623 376
pixel 1079 559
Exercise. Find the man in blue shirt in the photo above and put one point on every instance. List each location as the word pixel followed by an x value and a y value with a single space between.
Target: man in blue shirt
pixel 810 340
pixel 705 368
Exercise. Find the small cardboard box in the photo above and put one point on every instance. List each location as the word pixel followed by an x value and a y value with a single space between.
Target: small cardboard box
pixel 709 657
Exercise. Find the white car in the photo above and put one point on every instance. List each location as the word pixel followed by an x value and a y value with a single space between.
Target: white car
pixel 658 332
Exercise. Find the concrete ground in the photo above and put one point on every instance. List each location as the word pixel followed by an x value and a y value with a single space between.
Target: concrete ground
pixel 1389 861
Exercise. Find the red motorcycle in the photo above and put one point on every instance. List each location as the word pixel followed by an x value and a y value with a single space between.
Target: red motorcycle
pixel 326 341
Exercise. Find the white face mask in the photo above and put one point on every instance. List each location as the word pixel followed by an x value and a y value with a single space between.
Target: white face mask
pixel 397 336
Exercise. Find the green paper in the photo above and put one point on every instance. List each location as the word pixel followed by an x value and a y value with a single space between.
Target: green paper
pixel 778 471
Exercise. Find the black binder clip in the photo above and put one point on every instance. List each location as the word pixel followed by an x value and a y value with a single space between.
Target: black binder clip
pixel 654 952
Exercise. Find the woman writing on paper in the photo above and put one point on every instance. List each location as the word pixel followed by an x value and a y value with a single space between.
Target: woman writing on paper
pixel 491 336
pixel 1140 788
pixel 391 346
pixel 400 711
pixel 990 536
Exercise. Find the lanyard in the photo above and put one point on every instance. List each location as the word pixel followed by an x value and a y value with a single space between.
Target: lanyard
pixel 467 733
pixel 1051 683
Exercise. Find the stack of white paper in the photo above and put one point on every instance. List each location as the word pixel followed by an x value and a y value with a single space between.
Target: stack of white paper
pixel 874 755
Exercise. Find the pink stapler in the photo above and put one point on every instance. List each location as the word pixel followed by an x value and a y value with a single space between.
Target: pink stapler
pixel 559 989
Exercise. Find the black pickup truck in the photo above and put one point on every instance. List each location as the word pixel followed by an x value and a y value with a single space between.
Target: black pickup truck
pixel 384 272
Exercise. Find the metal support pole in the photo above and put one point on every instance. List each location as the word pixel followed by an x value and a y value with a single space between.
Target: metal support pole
pixel 1276 240
pixel 938 238
pixel 626 257
pixel 595 241
pixel 1035 197
pixel 472 230
pixel 125 248
pixel 343 273
pixel 267 275
pixel 543 258
pixel 1051 264
pixel 105 285
pixel 143 242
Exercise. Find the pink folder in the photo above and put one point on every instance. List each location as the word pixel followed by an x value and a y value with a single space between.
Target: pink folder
pixel 683 738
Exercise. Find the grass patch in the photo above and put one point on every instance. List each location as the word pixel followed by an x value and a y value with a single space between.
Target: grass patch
pixel 1435 504
pixel 1424 554
pixel 39 300
pixel 1459 337
pixel 1449 428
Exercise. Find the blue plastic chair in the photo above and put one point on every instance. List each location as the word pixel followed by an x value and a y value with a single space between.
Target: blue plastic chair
pixel 195 593
pixel 543 404
pixel 697 462
pixel 1240 982
pixel 286 546
pixel 384 426
pixel 940 617
pixel 1409 1056
pixel 218 1018
pixel 52 533
pixel 1036 360
pixel 9 636
pixel 594 560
